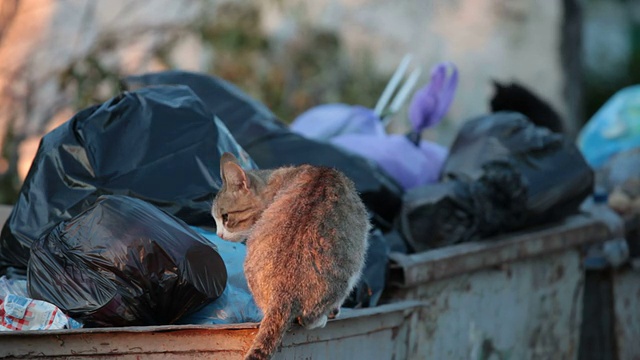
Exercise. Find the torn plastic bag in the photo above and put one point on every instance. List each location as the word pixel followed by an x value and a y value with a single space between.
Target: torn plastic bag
pixel 503 174
pixel 159 144
pixel 271 144
pixel 124 262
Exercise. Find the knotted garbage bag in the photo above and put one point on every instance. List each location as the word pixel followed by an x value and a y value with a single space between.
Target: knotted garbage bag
pixel 124 262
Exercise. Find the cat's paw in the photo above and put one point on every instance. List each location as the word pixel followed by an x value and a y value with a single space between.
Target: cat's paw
pixel 317 323
pixel 334 313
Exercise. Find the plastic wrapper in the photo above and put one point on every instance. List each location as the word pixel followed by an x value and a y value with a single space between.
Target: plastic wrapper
pixel 124 262
pixel 160 144
pixel 503 174
pixel 271 144
pixel 19 312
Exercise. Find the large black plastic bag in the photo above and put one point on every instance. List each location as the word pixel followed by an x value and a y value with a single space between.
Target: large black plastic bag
pixel 271 144
pixel 124 262
pixel 503 173
pixel 374 275
pixel 159 144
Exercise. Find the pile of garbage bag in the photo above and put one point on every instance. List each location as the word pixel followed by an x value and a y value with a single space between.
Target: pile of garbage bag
pixel 113 219
pixel 503 174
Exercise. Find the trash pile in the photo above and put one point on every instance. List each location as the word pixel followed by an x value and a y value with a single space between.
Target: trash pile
pixel 113 228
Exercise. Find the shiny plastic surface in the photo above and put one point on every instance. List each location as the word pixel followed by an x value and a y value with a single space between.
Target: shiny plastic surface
pixel 124 262
pixel 159 144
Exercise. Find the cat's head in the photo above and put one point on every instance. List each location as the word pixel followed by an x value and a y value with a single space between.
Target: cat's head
pixel 237 206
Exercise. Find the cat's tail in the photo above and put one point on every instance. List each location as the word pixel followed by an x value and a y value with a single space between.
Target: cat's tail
pixel 274 325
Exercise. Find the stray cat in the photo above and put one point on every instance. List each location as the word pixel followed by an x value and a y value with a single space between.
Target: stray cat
pixel 516 97
pixel 306 230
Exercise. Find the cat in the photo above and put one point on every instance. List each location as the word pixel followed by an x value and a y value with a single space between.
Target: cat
pixel 306 234
pixel 516 97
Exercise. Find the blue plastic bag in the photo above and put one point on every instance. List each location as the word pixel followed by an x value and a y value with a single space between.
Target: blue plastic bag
pixel 614 128
pixel 236 304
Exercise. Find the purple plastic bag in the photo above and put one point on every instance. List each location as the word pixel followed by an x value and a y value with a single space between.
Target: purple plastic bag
pixel 410 161
pixel 327 121
pixel 410 165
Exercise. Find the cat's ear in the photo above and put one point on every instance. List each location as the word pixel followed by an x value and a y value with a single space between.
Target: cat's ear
pixel 227 157
pixel 234 177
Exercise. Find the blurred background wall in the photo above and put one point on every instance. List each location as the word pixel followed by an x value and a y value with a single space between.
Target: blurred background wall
pixel 59 56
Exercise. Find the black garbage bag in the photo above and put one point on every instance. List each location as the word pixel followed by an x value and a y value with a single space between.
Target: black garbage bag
pixel 159 144
pixel 270 143
pixel 503 173
pixel 456 211
pixel 374 275
pixel 124 262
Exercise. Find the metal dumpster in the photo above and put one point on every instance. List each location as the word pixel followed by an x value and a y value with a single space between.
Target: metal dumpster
pixel 514 297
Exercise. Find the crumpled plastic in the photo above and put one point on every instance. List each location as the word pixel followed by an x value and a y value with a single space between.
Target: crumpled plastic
pixel 19 312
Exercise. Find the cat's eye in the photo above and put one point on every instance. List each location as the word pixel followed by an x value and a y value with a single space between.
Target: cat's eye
pixel 225 217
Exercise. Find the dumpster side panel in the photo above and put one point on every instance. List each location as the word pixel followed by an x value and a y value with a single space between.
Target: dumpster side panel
pixel 529 309
pixel 377 333
pixel 626 294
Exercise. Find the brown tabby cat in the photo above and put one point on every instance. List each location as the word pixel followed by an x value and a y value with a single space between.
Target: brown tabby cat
pixel 306 231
